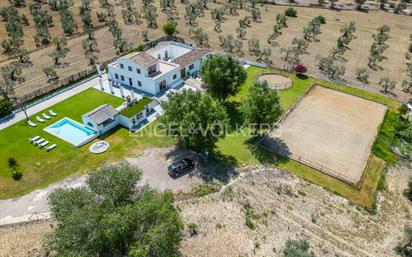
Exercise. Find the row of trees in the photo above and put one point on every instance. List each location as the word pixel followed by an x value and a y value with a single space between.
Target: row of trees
pixel 329 64
pixel 407 83
pixel 15 22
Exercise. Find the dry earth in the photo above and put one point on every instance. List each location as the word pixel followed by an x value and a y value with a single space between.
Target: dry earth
pixel 287 207
pixel 283 207
pixel 276 81
pixel 331 130
pixel 367 23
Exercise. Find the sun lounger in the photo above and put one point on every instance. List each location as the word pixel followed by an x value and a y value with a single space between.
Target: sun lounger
pixel 38 141
pixel 52 113
pixel 31 123
pixel 50 147
pixel 31 140
pixel 46 116
pixel 43 144
pixel 40 119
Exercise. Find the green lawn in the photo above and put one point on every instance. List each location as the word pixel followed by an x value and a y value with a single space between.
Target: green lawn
pixel 235 146
pixel 40 168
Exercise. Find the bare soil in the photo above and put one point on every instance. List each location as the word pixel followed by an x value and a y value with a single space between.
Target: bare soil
pixel 394 66
pixel 275 81
pixel 332 129
pixel 283 207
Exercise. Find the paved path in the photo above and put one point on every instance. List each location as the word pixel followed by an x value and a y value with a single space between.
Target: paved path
pixel 153 163
pixel 33 205
pixel 50 102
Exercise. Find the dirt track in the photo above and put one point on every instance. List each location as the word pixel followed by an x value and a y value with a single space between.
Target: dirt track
pixel 332 129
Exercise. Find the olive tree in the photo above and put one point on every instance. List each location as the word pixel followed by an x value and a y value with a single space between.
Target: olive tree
pixel 387 84
pixel 60 49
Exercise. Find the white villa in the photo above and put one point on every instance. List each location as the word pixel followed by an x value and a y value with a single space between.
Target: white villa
pixel 159 68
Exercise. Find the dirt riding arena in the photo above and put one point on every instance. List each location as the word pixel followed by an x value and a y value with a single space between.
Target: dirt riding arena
pixel 330 131
pixel 275 81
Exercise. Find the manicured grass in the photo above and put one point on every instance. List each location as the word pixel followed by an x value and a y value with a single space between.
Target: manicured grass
pixel 136 107
pixel 236 145
pixel 41 168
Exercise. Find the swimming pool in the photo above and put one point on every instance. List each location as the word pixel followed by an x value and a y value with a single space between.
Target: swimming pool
pixel 71 131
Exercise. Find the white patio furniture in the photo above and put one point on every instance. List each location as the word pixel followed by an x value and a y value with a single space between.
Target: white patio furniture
pixel 52 113
pixel 31 123
pixel 31 140
pixel 43 144
pixel 38 141
pixel 40 119
pixel 46 116
pixel 50 147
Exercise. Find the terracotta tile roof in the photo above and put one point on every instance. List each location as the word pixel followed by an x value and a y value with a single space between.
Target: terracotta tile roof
pixel 102 113
pixel 191 56
pixel 144 59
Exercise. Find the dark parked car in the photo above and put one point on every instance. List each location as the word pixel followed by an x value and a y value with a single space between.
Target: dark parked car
pixel 179 167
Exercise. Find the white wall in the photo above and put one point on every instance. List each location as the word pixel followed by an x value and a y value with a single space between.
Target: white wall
pixel 98 128
pixel 173 51
pixel 148 85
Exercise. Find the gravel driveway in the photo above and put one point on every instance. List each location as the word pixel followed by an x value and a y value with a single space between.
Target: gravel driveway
pixel 154 162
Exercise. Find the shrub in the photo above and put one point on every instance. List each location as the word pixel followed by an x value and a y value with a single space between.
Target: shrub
pixel 410 48
pixel 5 107
pixel 300 68
pixel 248 215
pixel 14 168
pixel 382 145
pixel 320 19
pixel 291 12
pixel 169 28
pixel 193 229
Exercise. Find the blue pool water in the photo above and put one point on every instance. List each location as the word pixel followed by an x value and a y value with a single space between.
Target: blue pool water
pixel 71 131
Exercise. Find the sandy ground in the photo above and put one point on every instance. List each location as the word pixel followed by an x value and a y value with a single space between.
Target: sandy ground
pixel 332 129
pixel 283 207
pixel 276 81
pixel 23 240
pixel 286 207
pixel 357 56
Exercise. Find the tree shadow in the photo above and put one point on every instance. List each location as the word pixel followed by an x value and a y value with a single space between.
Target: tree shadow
pixel 270 151
pixel 216 166
pixel 302 76
pixel 235 115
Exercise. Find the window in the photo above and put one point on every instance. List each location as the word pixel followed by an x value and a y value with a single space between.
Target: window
pixel 122 77
pixel 174 76
pixel 116 76
pixel 152 69
pixel 130 82
pixel 130 68
pixel 121 66
pixel 139 83
pixel 191 66
pixel 138 71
